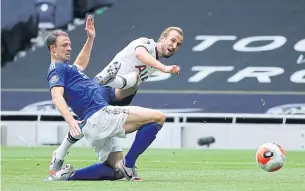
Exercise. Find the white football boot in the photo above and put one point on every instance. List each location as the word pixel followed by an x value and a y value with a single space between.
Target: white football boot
pixel 130 174
pixel 108 74
pixel 63 174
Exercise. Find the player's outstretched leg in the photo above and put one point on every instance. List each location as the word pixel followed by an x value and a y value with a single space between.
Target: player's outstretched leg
pixel 108 77
pixel 149 122
pixel 101 171
pixel 59 154
pixel 108 74
pixel 98 171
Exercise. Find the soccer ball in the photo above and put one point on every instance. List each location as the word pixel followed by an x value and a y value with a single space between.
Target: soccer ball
pixel 270 157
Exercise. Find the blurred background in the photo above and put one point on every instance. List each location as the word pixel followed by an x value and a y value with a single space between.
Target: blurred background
pixel 238 57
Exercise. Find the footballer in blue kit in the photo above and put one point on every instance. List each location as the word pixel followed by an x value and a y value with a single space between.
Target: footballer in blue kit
pixel 84 95
pixel 98 121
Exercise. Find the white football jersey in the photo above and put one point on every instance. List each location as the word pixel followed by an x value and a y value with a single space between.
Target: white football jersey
pixel 129 62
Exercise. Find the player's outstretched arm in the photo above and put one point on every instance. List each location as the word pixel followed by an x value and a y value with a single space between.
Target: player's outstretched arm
pixel 143 55
pixel 83 57
pixel 59 101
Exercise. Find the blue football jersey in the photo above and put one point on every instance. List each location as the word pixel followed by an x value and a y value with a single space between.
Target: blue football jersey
pixel 84 95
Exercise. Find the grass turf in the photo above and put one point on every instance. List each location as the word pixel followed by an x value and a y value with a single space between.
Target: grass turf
pixel 25 168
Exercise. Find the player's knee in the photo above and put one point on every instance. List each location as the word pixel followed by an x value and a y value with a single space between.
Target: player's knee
pixel 131 79
pixel 114 157
pixel 159 117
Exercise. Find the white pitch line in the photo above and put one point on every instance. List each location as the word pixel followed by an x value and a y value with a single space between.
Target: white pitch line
pixel 155 161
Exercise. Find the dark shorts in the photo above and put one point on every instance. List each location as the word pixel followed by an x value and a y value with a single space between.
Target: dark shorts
pixel 124 102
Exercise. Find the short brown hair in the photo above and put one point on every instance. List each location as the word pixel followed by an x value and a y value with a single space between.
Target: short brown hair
pixel 168 30
pixel 51 38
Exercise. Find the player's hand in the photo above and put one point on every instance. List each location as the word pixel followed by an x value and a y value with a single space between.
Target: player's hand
pixel 74 127
pixel 174 69
pixel 90 27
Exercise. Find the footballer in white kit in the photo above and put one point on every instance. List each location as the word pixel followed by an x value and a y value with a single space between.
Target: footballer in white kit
pixel 129 62
pixel 140 58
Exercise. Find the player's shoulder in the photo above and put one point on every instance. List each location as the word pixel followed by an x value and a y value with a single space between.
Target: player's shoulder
pixel 54 66
pixel 59 68
pixel 145 40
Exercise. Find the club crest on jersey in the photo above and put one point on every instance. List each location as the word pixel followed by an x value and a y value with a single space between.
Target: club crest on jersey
pixel 54 79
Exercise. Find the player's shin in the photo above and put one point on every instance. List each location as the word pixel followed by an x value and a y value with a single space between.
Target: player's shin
pixel 68 141
pixel 145 136
pixel 99 171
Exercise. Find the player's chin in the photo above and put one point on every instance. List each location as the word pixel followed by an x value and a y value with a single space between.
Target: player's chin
pixel 168 54
pixel 67 58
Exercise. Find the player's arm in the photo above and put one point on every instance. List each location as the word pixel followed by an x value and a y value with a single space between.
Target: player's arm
pixel 144 56
pixel 56 79
pixel 83 57
pixel 59 101
pixel 57 93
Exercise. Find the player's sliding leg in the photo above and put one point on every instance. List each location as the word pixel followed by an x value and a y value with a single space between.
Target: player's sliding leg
pixel 149 122
pixel 108 77
pixel 95 172
pixel 60 153
pixel 98 171
pixel 101 171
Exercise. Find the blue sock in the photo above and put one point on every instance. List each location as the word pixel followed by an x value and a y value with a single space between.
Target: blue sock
pixel 145 136
pixel 99 171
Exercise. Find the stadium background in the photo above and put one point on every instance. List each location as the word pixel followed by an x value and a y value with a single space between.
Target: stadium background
pixel 121 23
pixel 275 32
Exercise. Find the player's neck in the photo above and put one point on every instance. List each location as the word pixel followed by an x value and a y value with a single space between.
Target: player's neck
pixel 55 60
pixel 159 50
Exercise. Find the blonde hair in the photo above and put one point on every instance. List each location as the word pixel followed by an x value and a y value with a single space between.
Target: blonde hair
pixel 168 30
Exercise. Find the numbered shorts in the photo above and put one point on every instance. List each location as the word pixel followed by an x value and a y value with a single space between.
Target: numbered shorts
pixel 103 129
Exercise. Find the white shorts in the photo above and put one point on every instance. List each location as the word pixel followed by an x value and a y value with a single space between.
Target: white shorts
pixel 103 129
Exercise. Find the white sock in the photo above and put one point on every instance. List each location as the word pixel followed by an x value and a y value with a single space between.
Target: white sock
pixel 65 146
pixel 124 81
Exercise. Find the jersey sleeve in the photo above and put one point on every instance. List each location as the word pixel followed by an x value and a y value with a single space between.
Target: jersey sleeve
pixel 56 77
pixel 145 42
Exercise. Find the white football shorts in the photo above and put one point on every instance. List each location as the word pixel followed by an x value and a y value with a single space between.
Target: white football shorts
pixel 103 129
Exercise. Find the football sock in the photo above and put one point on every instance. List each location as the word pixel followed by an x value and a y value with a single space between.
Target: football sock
pixel 99 171
pixel 144 137
pixel 65 145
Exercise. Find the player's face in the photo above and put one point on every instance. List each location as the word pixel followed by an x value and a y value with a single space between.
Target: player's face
pixel 171 43
pixel 62 48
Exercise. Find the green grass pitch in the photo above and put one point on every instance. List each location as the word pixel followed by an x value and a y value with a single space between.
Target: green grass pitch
pixel 25 168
